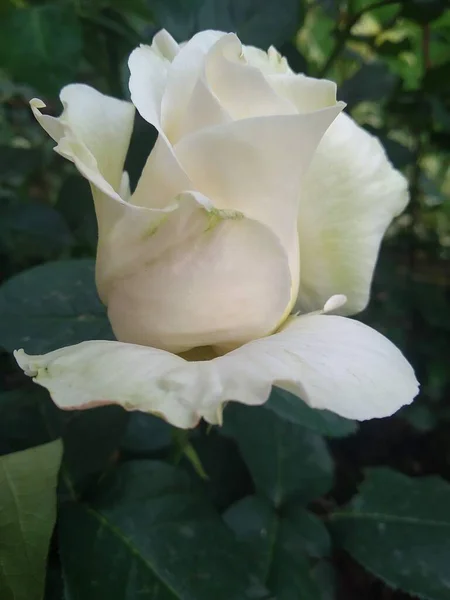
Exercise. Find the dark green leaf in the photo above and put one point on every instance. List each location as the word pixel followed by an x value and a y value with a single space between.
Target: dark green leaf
pixel 27 517
pixel 420 416
pixel 141 144
pixel 32 230
pixel 399 529
pixel 27 418
pixel 41 45
pixel 293 409
pixel 285 459
pixel 18 162
pixel 424 11
pixel 76 205
pixel 146 435
pixel 51 306
pixel 398 154
pixel 258 23
pixel 227 474
pixel 149 534
pixel 372 82
pixel 91 445
pixel 279 545
pixel 325 576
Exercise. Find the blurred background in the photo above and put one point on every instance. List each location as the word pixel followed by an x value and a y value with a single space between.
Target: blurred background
pixel 391 61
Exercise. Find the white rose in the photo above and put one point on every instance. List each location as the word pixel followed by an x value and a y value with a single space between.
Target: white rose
pixel 257 200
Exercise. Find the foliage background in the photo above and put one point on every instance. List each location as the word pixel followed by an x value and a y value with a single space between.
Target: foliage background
pixel 282 502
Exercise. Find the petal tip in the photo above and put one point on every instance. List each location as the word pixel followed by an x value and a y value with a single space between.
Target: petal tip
pixel 37 103
pixel 23 360
pixel 334 303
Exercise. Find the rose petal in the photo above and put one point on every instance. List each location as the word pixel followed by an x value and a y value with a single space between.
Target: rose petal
pixel 307 94
pixel 241 88
pixel 165 44
pixel 350 195
pixel 192 277
pixel 331 362
pixel 257 166
pixel 188 102
pixel 95 373
pixel 93 132
pixel 148 77
pixel 162 177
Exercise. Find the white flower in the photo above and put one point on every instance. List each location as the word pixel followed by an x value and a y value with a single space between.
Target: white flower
pixel 258 199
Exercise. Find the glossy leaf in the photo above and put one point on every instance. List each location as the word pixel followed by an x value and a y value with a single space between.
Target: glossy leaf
pixel 372 82
pixel 293 409
pixel 146 435
pixel 28 418
pixel 424 11
pixel 284 459
pixel 51 35
pixel 51 306
pixel 398 528
pixel 279 545
pixel 149 534
pixel 92 441
pixel 31 231
pixel 27 517
pixel 76 205
pixel 260 24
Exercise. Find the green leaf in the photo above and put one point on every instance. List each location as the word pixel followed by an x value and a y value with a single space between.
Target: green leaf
pixel 76 205
pixel 18 162
pixel 279 545
pixel 293 409
pixel 34 231
pixel 227 474
pixel 27 517
pixel 41 45
pixel 284 459
pixel 146 435
pixel 372 82
pixel 92 441
pixel 28 418
pixel 51 306
pixel 256 23
pixel 149 534
pixel 398 528
pixel 398 154
pixel 325 576
pixel 420 416
pixel 424 11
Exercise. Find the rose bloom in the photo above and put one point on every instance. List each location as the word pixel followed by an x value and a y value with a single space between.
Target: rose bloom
pixel 260 209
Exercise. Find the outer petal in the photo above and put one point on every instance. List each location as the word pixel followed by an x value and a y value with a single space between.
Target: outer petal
pixel 256 166
pixel 351 194
pixel 94 133
pixel 95 373
pixel 331 362
pixel 192 277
